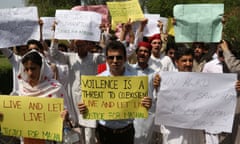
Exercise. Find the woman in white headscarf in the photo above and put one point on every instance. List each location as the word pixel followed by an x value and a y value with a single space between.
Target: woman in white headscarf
pixel 35 79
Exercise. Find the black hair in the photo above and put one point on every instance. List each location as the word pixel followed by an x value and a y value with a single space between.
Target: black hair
pixel 115 45
pixel 35 42
pixel 200 44
pixel 98 47
pixel 64 46
pixel 171 46
pixel 18 48
pixel 182 51
pixel 48 42
pixel 34 57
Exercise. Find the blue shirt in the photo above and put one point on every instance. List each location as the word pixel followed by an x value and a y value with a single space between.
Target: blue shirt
pixel 115 124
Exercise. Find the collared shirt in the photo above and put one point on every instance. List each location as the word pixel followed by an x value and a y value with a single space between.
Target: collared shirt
pixel 142 72
pixel 146 72
pixel 115 124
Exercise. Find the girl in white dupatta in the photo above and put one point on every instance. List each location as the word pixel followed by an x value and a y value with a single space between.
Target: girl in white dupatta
pixel 35 79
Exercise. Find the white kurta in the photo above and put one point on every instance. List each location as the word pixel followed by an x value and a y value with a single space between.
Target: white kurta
pixel 174 135
pixel 77 67
pixel 161 64
pixel 213 66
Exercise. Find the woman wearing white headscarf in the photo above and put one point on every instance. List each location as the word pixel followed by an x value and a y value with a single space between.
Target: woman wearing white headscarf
pixel 35 79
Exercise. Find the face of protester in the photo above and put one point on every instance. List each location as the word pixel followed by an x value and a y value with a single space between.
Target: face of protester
pixel 156 47
pixel 34 46
pixel 22 50
pixel 185 63
pixel 81 47
pixel 116 61
pixel 33 72
pixel 143 55
pixel 198 51
pixel 62 49
pixel 171 53
pixel 93 50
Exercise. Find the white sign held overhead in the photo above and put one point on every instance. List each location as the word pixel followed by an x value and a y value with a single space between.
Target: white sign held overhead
pixel 47 29
pixel 151 28
pixel 165 23
pixel 83 25
pixel 18 25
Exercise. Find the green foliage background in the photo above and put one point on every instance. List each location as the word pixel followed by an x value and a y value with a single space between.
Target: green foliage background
pixel 6 81
pixel 162 7
pixel 231 30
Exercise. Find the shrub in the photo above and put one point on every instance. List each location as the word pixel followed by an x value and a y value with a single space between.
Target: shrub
pixel 6 79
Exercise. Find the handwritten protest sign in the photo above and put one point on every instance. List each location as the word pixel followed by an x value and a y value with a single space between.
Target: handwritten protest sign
pixel 197 101
pixel 121 12
pixel 18 25
pixel 101 9
pixel 72 24
pixel 114 97
pixel 47 31
pixel 198 22
pixel 32 117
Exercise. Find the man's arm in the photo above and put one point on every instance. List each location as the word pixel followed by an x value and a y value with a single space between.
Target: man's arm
pixel 61 57
pixel 232 62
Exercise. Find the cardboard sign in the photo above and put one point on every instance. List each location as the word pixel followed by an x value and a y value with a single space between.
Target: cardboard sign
pixel 47 31
pixel 18 25
pixel 197 101
pixel 198 22
pixel 121 12
pixel 80 25
pixel 114 97
pixel 101 9
pixel 32 117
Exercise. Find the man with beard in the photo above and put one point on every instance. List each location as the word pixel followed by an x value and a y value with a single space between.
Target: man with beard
pixel 199 59
pixel 144 128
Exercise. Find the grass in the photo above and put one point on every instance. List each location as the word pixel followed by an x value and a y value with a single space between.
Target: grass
pixel 4 63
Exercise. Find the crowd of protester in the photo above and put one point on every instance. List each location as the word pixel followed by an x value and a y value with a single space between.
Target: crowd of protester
pixel 50 68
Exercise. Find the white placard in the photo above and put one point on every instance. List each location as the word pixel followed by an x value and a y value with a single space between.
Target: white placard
pixel 18 25
pixel 164 20
pixel 47 30
pixel 197 101
pixel 73 24
pixel 198 22
pixel 151 28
